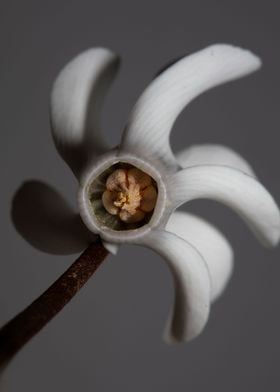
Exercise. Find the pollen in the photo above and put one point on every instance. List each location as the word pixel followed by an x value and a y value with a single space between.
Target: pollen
pixel 130 194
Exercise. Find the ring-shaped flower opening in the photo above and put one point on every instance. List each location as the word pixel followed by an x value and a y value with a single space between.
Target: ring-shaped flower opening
pixel 122 199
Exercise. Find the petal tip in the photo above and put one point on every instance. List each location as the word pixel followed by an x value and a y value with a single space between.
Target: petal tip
pixel 76 99
pixel 271 237
pixel 273 240
pixel 170 340
pixel 249 58
pixel 172 337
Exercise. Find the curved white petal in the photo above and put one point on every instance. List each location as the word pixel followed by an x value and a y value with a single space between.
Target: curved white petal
pixel 45 220
pixel 210 242
pixel 239 191
pixel 213 154
pixel 150 123
pixel 192 283
pixel 76 102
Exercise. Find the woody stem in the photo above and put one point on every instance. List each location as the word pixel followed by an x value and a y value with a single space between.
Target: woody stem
pixel 17 332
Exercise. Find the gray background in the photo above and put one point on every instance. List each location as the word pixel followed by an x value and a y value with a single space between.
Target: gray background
pixel 109 337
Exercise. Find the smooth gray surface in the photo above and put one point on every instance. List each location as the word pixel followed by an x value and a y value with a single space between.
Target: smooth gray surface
pixel 109 337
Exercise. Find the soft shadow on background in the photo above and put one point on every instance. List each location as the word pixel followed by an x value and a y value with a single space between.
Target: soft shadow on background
pixel 109 337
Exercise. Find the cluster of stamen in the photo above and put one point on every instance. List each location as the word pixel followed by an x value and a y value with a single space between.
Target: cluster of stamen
pixel 130 194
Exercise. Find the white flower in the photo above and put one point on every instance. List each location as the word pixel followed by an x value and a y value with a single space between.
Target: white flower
pixel 128 194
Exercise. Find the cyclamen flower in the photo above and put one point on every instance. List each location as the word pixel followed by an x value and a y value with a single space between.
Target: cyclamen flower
pixel 129 194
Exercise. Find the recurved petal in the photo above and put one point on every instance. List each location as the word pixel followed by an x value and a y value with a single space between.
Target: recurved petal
pixel 192 284
pixel 76 101
pixel 213 154
pixel 239 191
pixel 45 220
pixel 149 125
pixel 210 242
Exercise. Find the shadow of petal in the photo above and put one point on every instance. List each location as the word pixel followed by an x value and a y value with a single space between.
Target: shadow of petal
pixel 169 64
pixel 45 220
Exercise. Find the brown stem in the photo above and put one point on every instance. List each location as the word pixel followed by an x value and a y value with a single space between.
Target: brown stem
pixel 30 321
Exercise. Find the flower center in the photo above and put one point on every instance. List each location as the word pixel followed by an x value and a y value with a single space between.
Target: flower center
pixel 122 197
pixel 130 194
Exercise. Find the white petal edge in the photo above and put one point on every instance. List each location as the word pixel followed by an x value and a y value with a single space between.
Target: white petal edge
pixel 213 154
pixel 192 284
pixel 210 242
pixel 239 191
pixel 111 247
pixel 76 101
pixel 149 125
